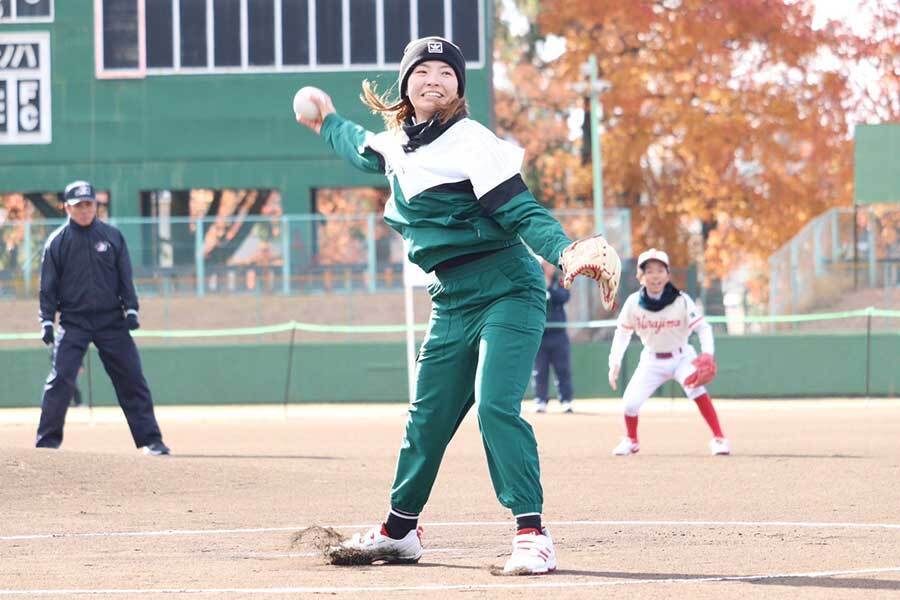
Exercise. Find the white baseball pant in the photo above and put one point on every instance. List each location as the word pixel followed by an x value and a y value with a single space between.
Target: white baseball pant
pixel 652 372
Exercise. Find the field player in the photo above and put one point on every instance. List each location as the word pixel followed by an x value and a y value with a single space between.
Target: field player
pixel 664 318
pixel 461 205
pixel 86 277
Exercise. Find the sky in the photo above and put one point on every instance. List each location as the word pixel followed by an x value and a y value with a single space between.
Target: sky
pixel 839 10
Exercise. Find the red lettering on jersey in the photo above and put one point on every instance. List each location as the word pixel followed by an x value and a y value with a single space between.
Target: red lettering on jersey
pixel 656 325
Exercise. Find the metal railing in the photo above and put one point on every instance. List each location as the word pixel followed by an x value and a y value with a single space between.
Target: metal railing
pixel 841 250
pixel 287 254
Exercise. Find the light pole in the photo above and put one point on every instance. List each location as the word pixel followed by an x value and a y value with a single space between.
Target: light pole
pixel 595 88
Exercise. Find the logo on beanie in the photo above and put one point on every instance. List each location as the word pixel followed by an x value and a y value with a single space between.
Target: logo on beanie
pixel 435 48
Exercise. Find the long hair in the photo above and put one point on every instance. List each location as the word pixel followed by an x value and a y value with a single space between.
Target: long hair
pixel 396 111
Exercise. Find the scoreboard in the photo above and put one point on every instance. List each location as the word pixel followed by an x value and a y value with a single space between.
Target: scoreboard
pixel 25 11
pixel 25 88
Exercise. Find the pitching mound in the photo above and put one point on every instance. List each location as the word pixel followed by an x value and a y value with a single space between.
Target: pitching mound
pixel 328 541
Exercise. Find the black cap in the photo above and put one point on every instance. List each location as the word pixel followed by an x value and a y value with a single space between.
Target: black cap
pixel 79 191
pixel 432 48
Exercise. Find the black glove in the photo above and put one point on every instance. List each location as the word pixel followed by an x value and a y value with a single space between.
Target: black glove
pixel 48 337
pixel 132 321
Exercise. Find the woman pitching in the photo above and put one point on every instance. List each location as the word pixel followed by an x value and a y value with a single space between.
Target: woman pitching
pixel 462 208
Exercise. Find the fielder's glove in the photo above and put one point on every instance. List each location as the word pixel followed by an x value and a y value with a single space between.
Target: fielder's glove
pixel 706 371
pixel 48 337
pixel 132 320
pixel 593 257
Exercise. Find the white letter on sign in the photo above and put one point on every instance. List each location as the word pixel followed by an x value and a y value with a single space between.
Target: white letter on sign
pixel 29 116
pixel 27 92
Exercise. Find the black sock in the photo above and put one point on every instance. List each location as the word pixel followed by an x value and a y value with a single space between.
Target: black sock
pixel 399 523
pixel 528 522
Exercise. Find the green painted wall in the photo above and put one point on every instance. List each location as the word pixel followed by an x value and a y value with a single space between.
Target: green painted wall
pixel 184 131
pixel 877 163
pixel 749 367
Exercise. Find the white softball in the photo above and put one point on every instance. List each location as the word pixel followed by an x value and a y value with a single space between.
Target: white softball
pixel 303 106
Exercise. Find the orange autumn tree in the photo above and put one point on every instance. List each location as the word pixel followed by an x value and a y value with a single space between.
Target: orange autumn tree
pixel 731 117
pixel 343 235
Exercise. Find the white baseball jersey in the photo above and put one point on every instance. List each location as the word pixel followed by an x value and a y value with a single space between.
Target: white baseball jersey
pixel 663 331
pixel 666 354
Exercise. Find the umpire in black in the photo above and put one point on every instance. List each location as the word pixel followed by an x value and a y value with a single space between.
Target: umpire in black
pixel 555 349
pixel 86 277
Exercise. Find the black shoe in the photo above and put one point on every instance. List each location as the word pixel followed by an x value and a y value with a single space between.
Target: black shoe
pixel 155 449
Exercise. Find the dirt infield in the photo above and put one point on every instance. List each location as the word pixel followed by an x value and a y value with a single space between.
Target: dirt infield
pixel 805 508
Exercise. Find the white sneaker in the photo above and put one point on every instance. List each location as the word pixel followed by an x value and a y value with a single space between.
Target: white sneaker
pixel 375 546
pixel 566 407
pixel 719 447
pixel 626 447
pixel 156 449
pixel 533 554
pixel 540 407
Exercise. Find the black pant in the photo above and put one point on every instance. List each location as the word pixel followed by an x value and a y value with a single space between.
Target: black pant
pixel 556 351
pixel 123 364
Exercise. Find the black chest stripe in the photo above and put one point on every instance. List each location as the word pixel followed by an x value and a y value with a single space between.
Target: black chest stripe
pixel 456 187
pixel 502 194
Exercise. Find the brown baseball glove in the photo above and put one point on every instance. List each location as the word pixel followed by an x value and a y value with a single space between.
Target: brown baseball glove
pixel 593 257
pixel 706 371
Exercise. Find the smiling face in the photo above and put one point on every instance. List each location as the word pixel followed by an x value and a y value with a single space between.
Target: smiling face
pixel 431 86
pixel 655 276
pixel 82 213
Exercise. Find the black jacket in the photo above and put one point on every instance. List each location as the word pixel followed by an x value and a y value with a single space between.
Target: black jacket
pixel 86 276
pixel 557 296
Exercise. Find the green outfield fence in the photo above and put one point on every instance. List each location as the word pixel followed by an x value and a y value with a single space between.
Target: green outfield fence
pixel 846 354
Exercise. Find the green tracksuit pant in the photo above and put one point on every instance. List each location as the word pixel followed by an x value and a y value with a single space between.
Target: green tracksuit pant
pixel 486 325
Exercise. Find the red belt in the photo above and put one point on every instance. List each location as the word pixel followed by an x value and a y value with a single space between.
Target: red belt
pixel 667 354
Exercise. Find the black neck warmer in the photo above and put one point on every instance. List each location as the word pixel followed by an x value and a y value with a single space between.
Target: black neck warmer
pixel 669 293
pixel 420 134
